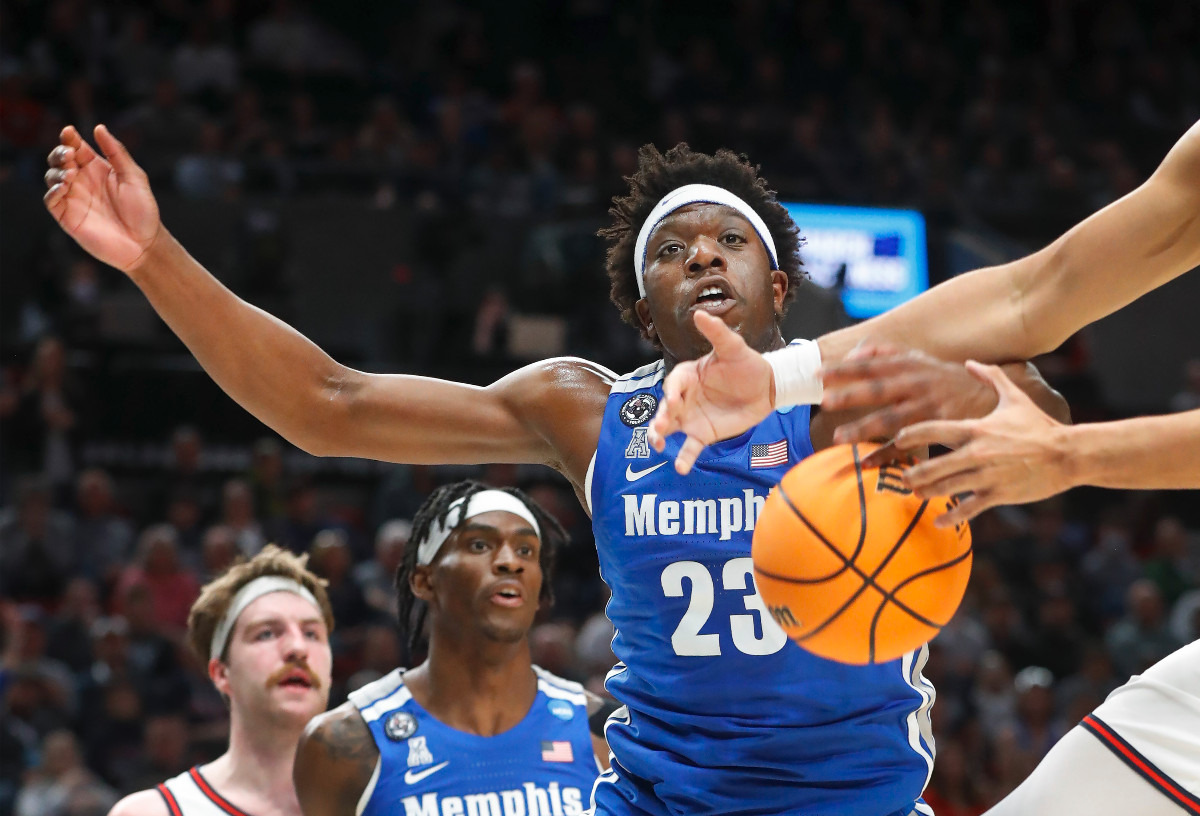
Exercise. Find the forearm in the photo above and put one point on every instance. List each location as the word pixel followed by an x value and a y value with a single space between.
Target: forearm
pixel 1147 453
pixel 265 365
pixel 1021 309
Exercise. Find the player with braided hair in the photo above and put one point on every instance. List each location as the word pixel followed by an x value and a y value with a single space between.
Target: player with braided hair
pixel 476 727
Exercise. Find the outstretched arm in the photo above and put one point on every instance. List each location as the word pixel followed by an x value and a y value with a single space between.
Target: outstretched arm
pixel 105 203
pixel 1018 454
pixel 1030 306
pixel 334 763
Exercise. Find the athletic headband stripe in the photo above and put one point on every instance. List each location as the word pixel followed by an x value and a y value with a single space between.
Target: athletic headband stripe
pixel 684 196
pixel 485 501
pixel 169 798
pixel 1144 767
pixel 248 594
pixel 213 796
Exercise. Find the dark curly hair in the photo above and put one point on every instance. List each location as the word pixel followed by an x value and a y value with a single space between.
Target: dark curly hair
pixel 411 609
pixel 659 174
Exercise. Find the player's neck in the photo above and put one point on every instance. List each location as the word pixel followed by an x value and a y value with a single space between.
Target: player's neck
pixel 257 768
pixel 770 342
pixel 481 690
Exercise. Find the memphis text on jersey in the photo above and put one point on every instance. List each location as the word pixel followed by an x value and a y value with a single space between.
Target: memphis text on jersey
pixel 645 515
pixel 528 800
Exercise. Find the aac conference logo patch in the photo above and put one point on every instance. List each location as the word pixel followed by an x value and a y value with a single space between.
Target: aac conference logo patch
pixel 400 726
pixel 638 409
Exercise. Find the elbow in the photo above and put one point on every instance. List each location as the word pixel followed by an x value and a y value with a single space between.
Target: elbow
pixel 322 428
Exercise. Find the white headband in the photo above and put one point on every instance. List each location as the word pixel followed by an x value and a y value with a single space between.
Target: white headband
pixel 248 594
pixel 485 501
pixel 695 194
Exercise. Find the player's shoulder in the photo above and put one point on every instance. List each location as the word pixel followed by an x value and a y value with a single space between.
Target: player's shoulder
pixel 147 802
pixel 560 688
pixel 335 760
pixel 564 372
pixel 341 729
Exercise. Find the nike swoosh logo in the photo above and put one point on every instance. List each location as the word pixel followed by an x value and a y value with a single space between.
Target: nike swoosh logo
pixel 633 475
pixel 413 777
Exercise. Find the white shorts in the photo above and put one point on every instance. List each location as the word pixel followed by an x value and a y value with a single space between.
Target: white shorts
pixel 1137 754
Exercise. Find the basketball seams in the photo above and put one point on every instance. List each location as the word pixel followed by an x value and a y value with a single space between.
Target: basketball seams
pixel 848 577
pixel 869 580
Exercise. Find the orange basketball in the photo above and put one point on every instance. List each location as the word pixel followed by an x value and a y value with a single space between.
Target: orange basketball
pixel 849 563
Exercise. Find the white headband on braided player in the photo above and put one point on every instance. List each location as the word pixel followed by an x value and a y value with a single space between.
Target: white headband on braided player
pixel 248 594
pixel 696 194
pixel 485 501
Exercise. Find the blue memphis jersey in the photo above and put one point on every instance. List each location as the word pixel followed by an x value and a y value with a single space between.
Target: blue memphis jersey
pixel 543 766
pixel 722 712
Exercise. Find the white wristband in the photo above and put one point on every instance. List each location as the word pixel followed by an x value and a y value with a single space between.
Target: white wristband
pixel 797 374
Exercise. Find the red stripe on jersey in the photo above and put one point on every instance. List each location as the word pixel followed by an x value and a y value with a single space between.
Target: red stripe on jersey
pixel 214 797
pixel 169 798
pixel 1144 767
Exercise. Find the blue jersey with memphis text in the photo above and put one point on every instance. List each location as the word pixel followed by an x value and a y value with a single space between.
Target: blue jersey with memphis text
pixel 543 766
pixel 722 713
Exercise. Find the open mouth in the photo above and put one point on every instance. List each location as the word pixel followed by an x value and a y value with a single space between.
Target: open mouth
pixel 296 679
pixel 714 297
pixel 508 596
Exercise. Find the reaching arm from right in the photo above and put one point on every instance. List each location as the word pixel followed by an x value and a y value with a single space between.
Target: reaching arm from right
pixel 1028 307
pixel 105 203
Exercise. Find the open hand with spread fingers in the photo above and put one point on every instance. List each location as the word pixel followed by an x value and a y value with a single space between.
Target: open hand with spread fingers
pixel 102 200
pixel 722 394
pixel 1015 454
pixel 903 386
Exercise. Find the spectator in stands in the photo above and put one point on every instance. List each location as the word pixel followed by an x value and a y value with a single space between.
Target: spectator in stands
pixel 219 552
pixel 1036 728
pixel 165 754
pixel 43 427
pixel 153 658
pixel 376 578
pixel 62 785
pixel 303 520
pixel 1141 638
pixel 330 558
pixel 238 514
pixel 185 472
pixel 70 633
pixel 267 481
pixel 172 588
pixel 104 540
pixel 185 516
pixel 1168 565
pixel 37 545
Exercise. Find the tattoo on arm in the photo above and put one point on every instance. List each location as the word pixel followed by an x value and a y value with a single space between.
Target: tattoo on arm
pixel 334 763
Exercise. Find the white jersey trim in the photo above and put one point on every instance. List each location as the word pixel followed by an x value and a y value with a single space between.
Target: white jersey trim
pixel 587 481
pixel 643 377
pixel 369 791
pixel 920 728
pixel 378 698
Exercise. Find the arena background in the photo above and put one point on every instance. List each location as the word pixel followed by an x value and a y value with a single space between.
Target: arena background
pixel 416 186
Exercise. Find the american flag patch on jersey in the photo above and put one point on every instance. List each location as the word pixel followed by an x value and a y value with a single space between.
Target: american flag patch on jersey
pixel 557 751
pixel 771 455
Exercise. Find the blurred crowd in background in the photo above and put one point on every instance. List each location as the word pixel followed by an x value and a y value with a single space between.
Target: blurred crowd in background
pixel 1013 119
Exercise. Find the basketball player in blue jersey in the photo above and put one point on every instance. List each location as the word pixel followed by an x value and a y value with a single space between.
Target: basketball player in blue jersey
pixel 263 629
pixel 721 713
pixel 476 728
pixel 1139 752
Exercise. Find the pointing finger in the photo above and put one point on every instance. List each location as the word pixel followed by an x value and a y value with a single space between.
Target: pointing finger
pixel 688 453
